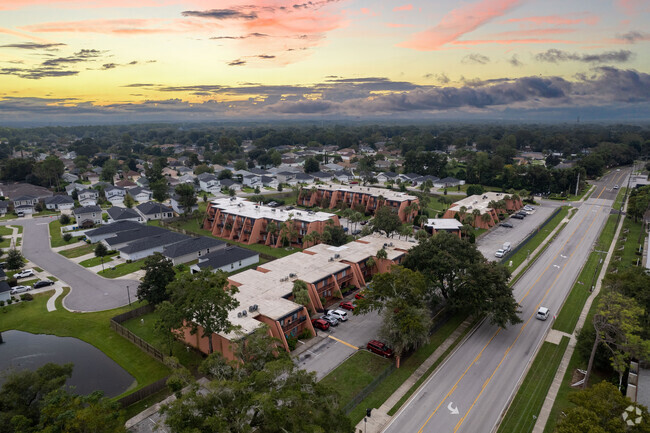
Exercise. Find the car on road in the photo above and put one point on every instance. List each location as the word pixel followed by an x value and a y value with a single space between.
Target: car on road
pixel 517 216
pixel 528 207
pixel 379 348
pixel 321 324
pixel 42 283
pixel 542 313
pixel 333 321
pixel 615 186
pixel 506 225
pixel 347 305
pixel 522 213
pixel 359 295
pixel 19 289
pixel 25 273
pixel 341 315
pixel 500 253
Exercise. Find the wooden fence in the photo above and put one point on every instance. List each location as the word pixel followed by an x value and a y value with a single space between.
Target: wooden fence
pixel 143 392
pixel 116 325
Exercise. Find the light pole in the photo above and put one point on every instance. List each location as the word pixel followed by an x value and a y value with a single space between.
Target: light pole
pixel 128 293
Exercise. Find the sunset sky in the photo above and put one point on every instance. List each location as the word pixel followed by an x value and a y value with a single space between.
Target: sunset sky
pixel 80 61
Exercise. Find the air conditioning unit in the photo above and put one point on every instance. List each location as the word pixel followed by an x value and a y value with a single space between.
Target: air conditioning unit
pixel 390 244
pixel 337 256
pixel 239 315
pixel 292 275
pixel 251 309
pixel 331 259
pixel 244 313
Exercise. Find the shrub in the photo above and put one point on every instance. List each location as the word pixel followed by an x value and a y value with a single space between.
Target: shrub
pixel 64 219
pixel 292 341
pixel 129 260
pixel 13 282
pixel 67 237
pixel 305 334
pixel 26 297
pixel 10 301
pixel 2 303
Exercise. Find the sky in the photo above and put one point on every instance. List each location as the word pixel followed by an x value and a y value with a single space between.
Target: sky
pixel 103 61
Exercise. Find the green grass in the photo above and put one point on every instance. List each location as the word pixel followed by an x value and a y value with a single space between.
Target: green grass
pixel 519 257
pixel 95 261
pixel 122 269
pixel 55 279
pixel 634 240
pixel 92 328
pixel 37 269
pixel 56 239
pixel 20 229
pixel 143 327
pixel 353 375
pixel 407 367
pixel 525 407
pixel 27 282
pixel 6 243
pixel 78 251
pixel 5 231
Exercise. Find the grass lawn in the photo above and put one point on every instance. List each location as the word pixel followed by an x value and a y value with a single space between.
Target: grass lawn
pixel 56 239
pixel 37 269
pixel 407 367
pixel 143 327
pixel 79 251
pixel 5 231
pixel 519 257
pixel 20 229
pixel 525 407
pixel 9 216
pixel 628 244
pixel 27 282
pixel 92 328
pixel 55 279
pixel 122 269
pixel 95 261
pixel 357 372
pixel 6 243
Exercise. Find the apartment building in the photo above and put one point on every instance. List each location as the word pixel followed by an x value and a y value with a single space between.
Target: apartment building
pixel 243 221
pixel 483 208
pixel 356 197
pixel 265 294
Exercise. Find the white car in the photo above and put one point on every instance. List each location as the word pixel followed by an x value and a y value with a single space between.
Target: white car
pixel 25 273
pixel 542 313
pixel 19 289
pixel 340 314
pixel 500 253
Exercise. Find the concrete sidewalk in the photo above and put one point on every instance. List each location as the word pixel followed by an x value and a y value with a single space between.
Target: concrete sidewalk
pixel 380 416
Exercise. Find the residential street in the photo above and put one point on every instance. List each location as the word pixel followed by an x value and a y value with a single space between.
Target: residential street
pixel 90 292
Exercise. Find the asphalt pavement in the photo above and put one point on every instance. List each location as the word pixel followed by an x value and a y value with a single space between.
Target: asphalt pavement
pixel 90 292
pixel 471 390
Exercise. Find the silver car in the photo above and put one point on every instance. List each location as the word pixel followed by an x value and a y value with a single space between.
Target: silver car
pixel 19 289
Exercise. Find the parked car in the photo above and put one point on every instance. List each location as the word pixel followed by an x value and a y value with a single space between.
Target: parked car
pixel 615 186
pixel 272 204
pixel 321 324
pixel 341 315
pixel 506 225
pixel 364 222
pixel 19 289
pixel 528 207
pixel 379 348
pixel 522 213
pixel 500 253
pixel 359 295
pixel 42 283
pixel 347 305
pixel 517 216
pixel 25 273
pixel 333 321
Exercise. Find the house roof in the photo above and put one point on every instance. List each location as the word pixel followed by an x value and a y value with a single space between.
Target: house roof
pixel 137 190
pixel 120 213
pixel 13 190
pixel 115 227
pixel 134 234
pixel 151 207
pixel 125 183
pixel 444 223
pixel 304 176
pixel 191 245
pixel 321 174
pixel 4 204
pixel 149 242
pixel 24 197
pixel 225 256
pixel 449 180
pixel 58 199
pixel 390 174
pixel 114 188
pixel 86 209
pixel 4 287
pixel 206 177
pixel 228 182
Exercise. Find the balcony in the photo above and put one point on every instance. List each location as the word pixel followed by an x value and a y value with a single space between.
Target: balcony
pixel 287 327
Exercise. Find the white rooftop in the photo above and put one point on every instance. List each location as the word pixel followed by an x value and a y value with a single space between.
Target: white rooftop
pixel 375 192
pixel 480 202
pixel 444 223
pixel 242 207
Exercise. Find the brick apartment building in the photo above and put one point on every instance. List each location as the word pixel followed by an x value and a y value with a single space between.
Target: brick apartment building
pixel 484 203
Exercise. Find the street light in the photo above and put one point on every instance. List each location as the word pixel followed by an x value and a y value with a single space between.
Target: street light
pixel 128 294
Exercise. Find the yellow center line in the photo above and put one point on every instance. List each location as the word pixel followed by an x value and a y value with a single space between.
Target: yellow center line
pixel 453 388
pixel 343 342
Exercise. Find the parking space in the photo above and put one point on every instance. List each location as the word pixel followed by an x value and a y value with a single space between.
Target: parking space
pixel 495 238
pixel 338 343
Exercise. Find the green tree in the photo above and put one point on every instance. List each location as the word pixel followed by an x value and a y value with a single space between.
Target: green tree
pixel 386 220
pixel 301 293
pixel 101 251
pixel 203 168
pixel 311 165
pixel 109 170
pixel 204 298
pixel 159 272
pixel 128 201
pixel 15 260
pixel 166 325
pixel 49 171
pixel 186 197
pixel 159 189
pixel 70 413
pixel 334 235
pixel 240 165
pixel 224 174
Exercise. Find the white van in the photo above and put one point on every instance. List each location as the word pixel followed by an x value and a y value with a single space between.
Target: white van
pixel 500 253
pixel 542 313
pixel 506 247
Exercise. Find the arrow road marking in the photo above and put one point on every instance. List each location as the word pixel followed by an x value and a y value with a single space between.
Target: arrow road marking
pixel 564 257
pixel 556 266
pixel 452 409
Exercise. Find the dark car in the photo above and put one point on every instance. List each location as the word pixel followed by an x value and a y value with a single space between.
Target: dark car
pixel 379 348
pixel 364 222
pixel 347 305
pixel 506 225
pixel 42 283
pixel 522 213
pixel 321 324
pixel 517 216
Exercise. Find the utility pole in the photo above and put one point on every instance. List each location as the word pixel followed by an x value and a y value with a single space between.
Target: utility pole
pixel 577 183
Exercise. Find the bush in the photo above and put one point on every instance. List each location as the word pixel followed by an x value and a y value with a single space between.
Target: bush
pixel 129 261
pixel 472 238
pixel 13 282
pixel 64 219
pixel 292 341
pixel 475 190
pixel 305 334
pixel 10 301
pixel 2 303
pixel 67 237
pixel 26 297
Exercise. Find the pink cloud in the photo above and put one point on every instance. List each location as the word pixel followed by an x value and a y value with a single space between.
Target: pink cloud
pixel 23 35
pixel 406 7
pixel 82 4
pixel 130 26
pixel 633 7
pixel 513 41
pixel 556 20
pixel 458 22
pixel 398 25
pixel 533 32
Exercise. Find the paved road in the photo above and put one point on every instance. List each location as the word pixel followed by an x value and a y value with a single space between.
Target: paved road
pixel 90 292
pixel 470 390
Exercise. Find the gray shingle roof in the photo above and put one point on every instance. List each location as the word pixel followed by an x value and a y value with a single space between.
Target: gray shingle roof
pixel 134 234
pixel 86 209
pixel 151 207
pixel 58 199
pixel 162 239
pixel 226 256
pixel 118 226
pixel 191 245
pixel 120 213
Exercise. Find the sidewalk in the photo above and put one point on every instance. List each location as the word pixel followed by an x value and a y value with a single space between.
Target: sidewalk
pixel 380 417
pixel 545 412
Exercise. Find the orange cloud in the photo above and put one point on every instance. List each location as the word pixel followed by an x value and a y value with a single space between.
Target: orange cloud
pixel 458 22
pixel 513 41
pixel 533 32
pixel 129 26
pixel 407 7
pixel 23 35
pixel 556 20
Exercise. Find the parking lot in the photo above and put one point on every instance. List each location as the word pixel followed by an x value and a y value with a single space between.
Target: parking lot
pixel 335 345
pixel 495 238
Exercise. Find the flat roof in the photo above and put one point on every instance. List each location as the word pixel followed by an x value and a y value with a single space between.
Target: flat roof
pixel 444 223
pixel 365 247
pixel 241 207
pixel 479 201
pixel 388 194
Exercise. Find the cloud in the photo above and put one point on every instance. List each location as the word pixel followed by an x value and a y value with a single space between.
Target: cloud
pixel 633 36
pixel 37 73
pixel 123 27
pixel 250 35
pixel 556 56
pixel 458 22
pixel 33 46
pixel 557 20
pixel 265 56
pixel 238 62
pixel 475 58
pixel 221 14
pixel 406 7
pixel 514 61
pixel 633 7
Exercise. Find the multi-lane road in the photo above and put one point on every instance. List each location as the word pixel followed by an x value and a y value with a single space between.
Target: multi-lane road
pixel 471 389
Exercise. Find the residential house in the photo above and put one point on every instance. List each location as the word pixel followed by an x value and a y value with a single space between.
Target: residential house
pixel 59 202
pixel 321 176
pixel 91 177
pixel 144 247
pixel 176 206
pixel 69 177
pixel 192 249
pixel 5 290
pixel 122 238
pixel 87 216
pixel 343 176
pixel 126 184
pixel 451 225
pixel 270 182
pixel 154 211
pixel 16 190
pixel 387 176
pixel 228 259
pixel 88 197
pixel 115 195
pixel 4 207
pixel 133 175
pixel 140 194
pixel 252 181
pixel 187 178
pixel 70 189
pixel 448 182
pixel 409 178
pixel 208 182
pixel 143 182
pixel 304 178
pixel 109 230
pixel 286 177
pixel 24 204
pixel 230 184
pixel 123 214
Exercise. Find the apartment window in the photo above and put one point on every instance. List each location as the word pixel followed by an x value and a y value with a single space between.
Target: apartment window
pixel 199 253
pixel 232 266
pixel 208 251
pixel 343 273
pixel 240 263
pixel 295 316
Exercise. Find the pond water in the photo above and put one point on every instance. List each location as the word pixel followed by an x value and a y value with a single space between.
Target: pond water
pixel 93 370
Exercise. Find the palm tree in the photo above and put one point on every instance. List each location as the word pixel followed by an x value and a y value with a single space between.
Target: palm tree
pixel 462 211
pixel 356 218
pixel 486 218
pixel 272 230
pixel 476 213
pixel 469 219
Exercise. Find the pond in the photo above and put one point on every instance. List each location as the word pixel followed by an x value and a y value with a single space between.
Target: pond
pixel 93 370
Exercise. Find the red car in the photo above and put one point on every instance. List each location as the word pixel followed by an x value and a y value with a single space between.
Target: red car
pixel 320 324
pixel 358 295
pixel 347 306
pixel 379 348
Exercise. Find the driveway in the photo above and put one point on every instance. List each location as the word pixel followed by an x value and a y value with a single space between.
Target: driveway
pixel 90 292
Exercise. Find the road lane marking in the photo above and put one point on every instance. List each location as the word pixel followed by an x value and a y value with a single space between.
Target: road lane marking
pixel 451 391
pixel 343 342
